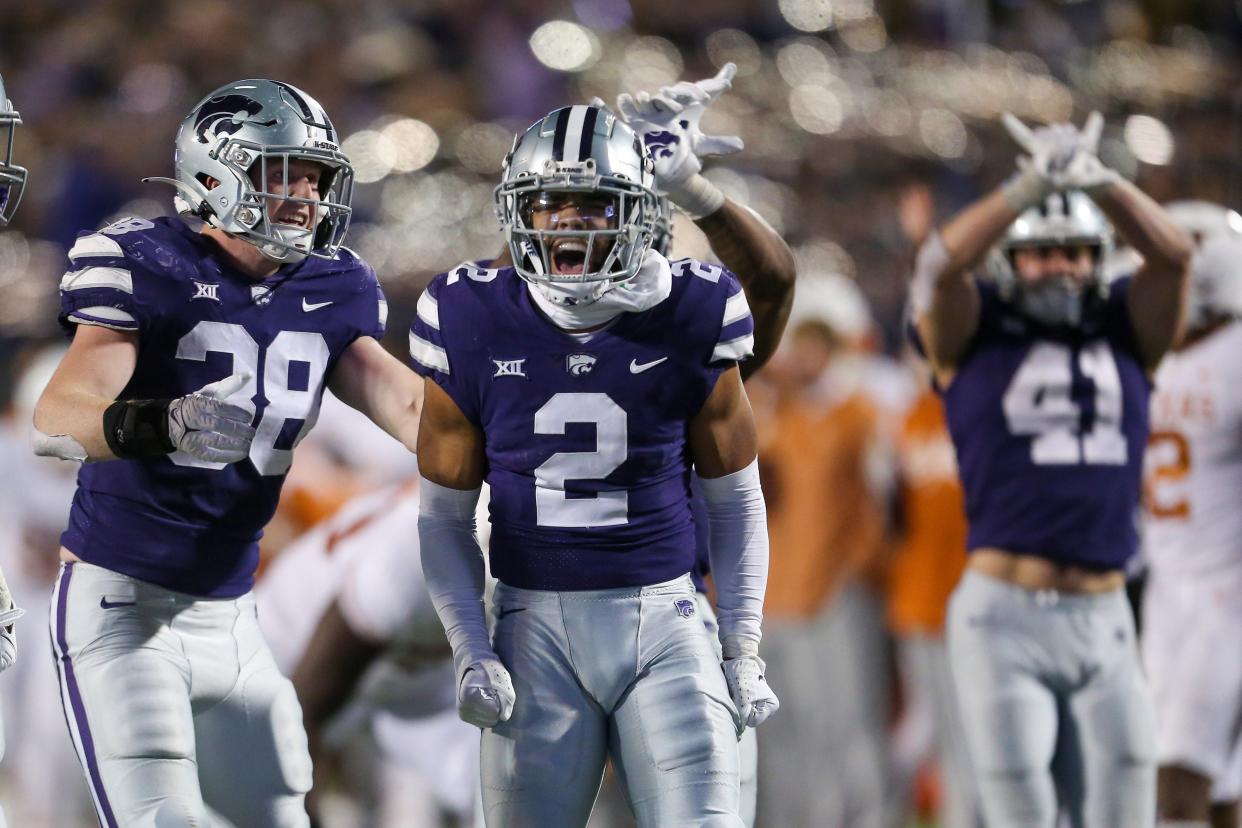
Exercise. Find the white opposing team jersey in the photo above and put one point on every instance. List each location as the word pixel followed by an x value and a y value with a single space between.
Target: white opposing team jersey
pixel 366 558
pixel 1193 465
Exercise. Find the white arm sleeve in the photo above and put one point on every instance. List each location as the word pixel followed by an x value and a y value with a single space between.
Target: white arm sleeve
pixel 453 569
pixel 932 258
pixel 739 556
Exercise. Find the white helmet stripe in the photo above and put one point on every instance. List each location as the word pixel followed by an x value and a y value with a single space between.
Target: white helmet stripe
pixel 573 134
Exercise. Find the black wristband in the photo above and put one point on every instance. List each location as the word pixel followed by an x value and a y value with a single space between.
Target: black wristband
pixel 137 428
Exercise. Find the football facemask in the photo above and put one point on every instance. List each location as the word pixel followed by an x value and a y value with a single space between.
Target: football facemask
pixel 12 177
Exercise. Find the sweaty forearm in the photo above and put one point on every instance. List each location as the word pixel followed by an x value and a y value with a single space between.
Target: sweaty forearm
pixel 1146 226
pixel 70 422
pixel 755 253
pixel 749 247
pixel 971 233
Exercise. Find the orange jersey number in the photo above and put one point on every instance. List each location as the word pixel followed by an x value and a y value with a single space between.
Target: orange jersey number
pixel 1171 450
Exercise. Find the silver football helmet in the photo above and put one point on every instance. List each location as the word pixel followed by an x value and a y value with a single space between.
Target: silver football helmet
pixel 1068 218
pixel 239 136
pixel 1203 219
pixel 12 177
pixel 1216 270
pixel 578 150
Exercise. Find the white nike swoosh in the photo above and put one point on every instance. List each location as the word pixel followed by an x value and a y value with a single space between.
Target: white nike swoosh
pixel 310 306
pixel 635 368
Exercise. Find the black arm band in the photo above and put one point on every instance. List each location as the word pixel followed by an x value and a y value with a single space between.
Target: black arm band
pixel 137 428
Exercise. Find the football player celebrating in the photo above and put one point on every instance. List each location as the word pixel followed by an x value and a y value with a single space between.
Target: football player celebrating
pixel 1045 376
pixel 170 692
pixel 583 390
pixel 342 648
pixel 1192 606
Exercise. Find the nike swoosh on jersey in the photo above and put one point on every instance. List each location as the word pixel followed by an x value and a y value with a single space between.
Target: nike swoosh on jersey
pixel 636 368
pixel 311 306
pixel 104 603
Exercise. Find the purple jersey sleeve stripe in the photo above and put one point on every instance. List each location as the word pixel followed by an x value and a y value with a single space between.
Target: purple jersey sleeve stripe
pixel 70 686
pixel 83 262
pixel 738 329
pixel 89 319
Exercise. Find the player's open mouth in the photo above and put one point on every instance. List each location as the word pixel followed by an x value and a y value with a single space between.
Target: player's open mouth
pixel 568 258
pixel 295 220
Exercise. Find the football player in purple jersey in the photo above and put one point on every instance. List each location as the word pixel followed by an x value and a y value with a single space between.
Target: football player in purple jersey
pixel 1046 371
pixel 583 382
pixel 170 692
pixel 338 656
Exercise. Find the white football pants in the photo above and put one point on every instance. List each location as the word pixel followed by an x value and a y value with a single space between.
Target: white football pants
pixel 629 673
pixel 1054 705
pixel 173 700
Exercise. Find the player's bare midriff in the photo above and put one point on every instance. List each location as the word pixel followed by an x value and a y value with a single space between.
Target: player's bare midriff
pixel 1033 572
pixel 69 557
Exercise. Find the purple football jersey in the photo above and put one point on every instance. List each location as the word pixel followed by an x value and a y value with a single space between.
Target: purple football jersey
pixel 174 520
pixel 1050 427
pixel 585 440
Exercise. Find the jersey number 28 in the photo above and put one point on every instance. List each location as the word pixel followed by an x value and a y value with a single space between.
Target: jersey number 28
pixel 283 403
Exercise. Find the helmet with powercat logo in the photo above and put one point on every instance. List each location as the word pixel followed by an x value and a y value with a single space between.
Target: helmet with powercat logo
pixel 1067 219
pixel 12 177
pixel 232 165
pixel 580 161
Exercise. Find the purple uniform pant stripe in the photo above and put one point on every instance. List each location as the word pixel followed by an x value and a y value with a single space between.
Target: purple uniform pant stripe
pixel 75 701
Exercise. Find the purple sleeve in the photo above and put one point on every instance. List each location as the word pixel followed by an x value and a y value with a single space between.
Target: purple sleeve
pixel 98 286
pixel 438 337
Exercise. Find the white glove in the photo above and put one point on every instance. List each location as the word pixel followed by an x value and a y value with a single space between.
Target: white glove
pixel 8 614
pixel 204 426
pixel 668 123
pixel 1085 171
pixel 485 694
pixel 743 669
pixel 1049 150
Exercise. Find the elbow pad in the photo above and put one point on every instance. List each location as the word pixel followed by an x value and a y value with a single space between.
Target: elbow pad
pixel 739 553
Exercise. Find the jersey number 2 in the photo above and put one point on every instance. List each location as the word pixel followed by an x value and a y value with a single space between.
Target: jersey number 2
pixel 1038 402
pixel 283 403
pixel 553 507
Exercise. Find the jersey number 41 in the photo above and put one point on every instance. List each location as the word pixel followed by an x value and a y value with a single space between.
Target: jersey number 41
pixel 1039 402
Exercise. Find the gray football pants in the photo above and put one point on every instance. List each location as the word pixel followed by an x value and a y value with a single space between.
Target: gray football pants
pixel 174 701
pixel 1054 705
pixel 627 673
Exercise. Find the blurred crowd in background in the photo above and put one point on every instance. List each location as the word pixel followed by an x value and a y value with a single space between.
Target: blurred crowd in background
pixel 865 122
